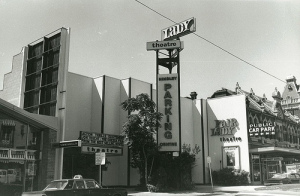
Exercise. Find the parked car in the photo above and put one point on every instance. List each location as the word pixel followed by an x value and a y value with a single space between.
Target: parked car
pixel 76 187
pixel 284 178
pixel 3 176
pixel 11 175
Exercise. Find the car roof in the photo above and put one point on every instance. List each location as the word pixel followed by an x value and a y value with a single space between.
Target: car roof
pixel 72 179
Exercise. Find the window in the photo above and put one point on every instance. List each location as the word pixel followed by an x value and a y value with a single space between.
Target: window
pixel 70 184
pixel 48 109
pixel 7 135
pixel 32 82
pixel 79 184
pixel 42 76
pixel 35 50
pixel 90 184
pixel 31 99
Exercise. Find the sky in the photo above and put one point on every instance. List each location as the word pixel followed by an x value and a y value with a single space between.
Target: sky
pixel 233 42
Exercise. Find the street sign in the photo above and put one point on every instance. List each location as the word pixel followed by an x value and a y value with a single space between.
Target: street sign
pixel 100 158
pixel 208 160
pixel 70 143
pixel 164 45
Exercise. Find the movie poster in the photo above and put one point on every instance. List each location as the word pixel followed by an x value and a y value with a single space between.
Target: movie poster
pixel 231 157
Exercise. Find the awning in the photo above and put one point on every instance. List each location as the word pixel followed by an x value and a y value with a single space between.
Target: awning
pixel 274 150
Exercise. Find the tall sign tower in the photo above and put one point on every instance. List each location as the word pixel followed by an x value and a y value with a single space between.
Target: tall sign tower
pixel 168 84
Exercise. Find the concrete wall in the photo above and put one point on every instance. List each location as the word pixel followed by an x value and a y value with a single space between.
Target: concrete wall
pixel 117 171
pixel 224 108
pixel 97 104
pixel 78 106
pixel 198 125
pixel 187 127
pixel 13 81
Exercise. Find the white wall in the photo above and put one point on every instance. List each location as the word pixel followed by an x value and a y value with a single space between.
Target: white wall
pixel 78 106
pixel 97 101
pixel 197 170
pixel 117 170
pixel 187 127
pixel 222 109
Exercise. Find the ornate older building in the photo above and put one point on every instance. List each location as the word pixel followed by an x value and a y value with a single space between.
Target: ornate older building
pixel 273 136
pixel 291 97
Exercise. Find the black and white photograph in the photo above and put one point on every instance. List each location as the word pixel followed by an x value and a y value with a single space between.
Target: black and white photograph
pixel 160 97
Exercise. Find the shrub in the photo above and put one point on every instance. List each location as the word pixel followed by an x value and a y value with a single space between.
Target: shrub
pixel 172 173
pixel 230 177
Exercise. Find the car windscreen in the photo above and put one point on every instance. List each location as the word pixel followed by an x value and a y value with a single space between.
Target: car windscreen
pixel 56 185
pixel 10 171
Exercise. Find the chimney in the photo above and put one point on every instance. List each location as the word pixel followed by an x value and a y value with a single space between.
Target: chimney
pixel 193 95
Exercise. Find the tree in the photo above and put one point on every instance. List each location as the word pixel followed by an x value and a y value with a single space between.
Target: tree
pixel 139 131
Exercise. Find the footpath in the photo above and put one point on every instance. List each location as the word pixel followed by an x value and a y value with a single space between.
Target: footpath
pixel 200 190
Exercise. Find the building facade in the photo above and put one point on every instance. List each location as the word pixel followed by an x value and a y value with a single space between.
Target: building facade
pixel 291 96
pixel 256 135
pixel 235 129
pixel 26 157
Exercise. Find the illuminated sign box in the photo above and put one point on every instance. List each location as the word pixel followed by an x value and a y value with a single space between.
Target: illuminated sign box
pixel 164 45
pixel 179 30
pixel 101 139
pixel 71 143
pixel 261 129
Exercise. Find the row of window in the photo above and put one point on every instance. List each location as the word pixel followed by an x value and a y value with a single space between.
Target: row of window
pixel 46 45
pixel 42 76
pixel 42 79
pixel 290 100
pixel 46 61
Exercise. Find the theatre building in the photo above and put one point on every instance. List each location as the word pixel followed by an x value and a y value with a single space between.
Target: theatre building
pixel 86 109
pixel 251 133
pixel 43 106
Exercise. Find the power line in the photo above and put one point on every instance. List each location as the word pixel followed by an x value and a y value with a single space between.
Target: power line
pixel 213 44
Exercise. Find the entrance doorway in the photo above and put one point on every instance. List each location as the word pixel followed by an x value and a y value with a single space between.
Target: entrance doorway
pixel 76 163
pixel 263 169
pixel 271 166
pixel 256 169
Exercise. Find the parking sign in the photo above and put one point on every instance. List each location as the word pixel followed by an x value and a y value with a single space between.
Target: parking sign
pixel 100 158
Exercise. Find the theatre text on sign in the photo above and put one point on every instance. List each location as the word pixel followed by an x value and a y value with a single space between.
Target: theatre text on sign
pixel 164 45
pixel 108 150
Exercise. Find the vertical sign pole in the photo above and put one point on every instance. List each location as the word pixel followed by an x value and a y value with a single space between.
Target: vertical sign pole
pixel 179 104
pixel 211 180
pixel 100 160
pixel 212 184
pixel 157 72
pixel 100 177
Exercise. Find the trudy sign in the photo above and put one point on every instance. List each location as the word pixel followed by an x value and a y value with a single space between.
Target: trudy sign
pixel 179 30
